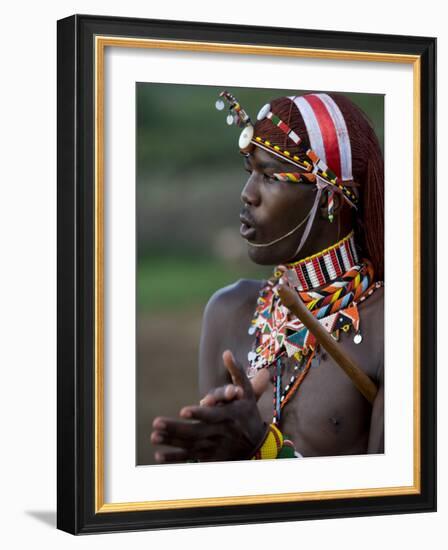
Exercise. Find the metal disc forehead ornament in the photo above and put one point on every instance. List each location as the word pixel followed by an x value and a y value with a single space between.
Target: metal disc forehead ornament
pixel 238 116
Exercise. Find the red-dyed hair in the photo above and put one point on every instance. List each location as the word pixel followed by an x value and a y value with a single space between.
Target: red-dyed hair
pixel 367 166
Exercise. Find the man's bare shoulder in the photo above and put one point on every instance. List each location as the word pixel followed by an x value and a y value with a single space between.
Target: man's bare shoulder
pixel 225 322
pixel 375 303
pixel 372 313
pixel 234 298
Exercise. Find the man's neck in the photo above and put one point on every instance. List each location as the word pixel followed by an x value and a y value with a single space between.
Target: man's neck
pixel 322 267
pixel 324 234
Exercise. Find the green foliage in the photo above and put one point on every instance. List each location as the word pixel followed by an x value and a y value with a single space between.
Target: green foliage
pixel 170 283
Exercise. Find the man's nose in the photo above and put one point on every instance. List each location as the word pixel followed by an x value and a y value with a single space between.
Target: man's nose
pixel 251 191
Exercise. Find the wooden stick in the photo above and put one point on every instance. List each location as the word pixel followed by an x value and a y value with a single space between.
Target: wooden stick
pixel 291 300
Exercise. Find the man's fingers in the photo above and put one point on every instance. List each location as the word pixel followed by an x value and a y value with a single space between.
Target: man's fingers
pixel 227 393
pixel 223 394
pixel 172 440
pixel 174 425
pixel 236 371
pixel 177 432
pixel 178 455
pixel 204 454
pixel 209 415
pixel 189 435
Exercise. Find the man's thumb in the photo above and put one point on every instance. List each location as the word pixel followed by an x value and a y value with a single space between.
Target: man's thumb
pixel 260 382
pixel 236 371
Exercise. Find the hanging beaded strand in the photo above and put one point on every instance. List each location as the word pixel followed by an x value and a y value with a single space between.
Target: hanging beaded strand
pixel 277 391
pixel 330 206
pixel 300 371
pixel 282 397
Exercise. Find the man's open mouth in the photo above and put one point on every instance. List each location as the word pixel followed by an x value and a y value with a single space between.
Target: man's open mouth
pixel 247 230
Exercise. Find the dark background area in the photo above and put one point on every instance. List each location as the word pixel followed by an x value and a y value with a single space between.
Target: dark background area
pixel 189 179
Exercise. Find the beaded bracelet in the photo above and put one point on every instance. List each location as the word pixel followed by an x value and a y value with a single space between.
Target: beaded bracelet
pixel 274 445
pixel 271 445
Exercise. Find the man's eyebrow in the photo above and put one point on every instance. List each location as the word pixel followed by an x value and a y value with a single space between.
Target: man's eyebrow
pixel 274 165
pixel 264 164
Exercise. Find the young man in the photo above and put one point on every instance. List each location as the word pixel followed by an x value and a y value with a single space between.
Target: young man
pixel 312 207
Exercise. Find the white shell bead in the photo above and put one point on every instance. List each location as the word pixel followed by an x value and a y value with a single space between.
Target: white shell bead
pixel 246 136
pixel 264 111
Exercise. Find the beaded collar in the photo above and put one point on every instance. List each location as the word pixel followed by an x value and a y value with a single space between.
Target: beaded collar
pixel 280 336
pixel 323 267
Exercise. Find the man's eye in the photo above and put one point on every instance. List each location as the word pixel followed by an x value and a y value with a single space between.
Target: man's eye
pixel 268 179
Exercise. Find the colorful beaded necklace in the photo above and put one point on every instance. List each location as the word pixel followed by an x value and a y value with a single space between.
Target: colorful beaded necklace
pixel 332 283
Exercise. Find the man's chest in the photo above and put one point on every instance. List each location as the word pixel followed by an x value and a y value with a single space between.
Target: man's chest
pixel 324 415
pixel 324 411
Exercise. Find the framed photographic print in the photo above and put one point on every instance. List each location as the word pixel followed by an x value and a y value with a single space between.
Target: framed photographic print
pixel 246 274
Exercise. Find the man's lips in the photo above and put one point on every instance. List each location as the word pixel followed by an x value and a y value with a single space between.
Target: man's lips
pixel 247 232
pixel 247 229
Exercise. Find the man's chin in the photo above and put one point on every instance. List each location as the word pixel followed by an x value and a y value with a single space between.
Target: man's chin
pixel 261 256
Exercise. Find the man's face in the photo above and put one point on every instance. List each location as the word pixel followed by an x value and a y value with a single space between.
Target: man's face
pixel 272 208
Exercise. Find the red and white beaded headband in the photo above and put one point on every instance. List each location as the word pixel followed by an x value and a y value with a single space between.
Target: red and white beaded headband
pixel 327 132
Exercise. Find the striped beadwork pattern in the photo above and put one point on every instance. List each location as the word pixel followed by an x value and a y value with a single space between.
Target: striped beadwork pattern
pixel 284 127
pixel 271 445
pixel 330 150
pixel 295 177
pixel 278 333
pixel 327 132
pixel 311 164
pixel 320 269
pixel 349 287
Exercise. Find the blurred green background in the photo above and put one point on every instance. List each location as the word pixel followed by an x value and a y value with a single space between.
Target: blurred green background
pixel 189 179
